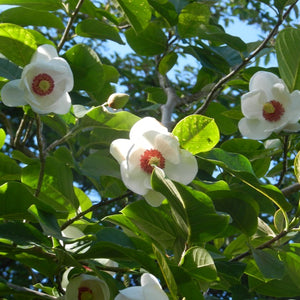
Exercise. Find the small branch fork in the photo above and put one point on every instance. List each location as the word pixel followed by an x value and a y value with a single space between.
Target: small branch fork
pixel 224 79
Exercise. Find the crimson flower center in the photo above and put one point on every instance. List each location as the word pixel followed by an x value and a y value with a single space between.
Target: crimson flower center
pixel 273 111
pixel 151 158
pixel 85 293
pixel 42 84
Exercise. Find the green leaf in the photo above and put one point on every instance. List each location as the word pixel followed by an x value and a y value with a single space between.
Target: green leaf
pixel 199 264
pixel 292 264
pixel 23 234
pixel 156 95
pixel 23 16
pixel 166 10
pixel 297 166
pixel 288 59
pixel 268 263
pixel 151 41
pixel 96 29
pixel 86 66
pixel 9 169
pixel 2 139
pixel 36 4
pixel 16 43
pixel 138 13
pixel 9 70
pixel 197 133
pixel 191 18
pixel 167 274
pixel 167 63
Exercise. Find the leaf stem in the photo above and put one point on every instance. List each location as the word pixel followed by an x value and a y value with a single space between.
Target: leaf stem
pixel 69 25
pixel 224 79
pixel 284 162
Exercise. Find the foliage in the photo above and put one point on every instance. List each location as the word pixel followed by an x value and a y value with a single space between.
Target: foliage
pixel 230 234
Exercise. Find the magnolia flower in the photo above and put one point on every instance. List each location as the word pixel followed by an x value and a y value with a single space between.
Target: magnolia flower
pixel 150 144
pixel 87 287
pixel 44 84
pixel 150 289
pixel 269 107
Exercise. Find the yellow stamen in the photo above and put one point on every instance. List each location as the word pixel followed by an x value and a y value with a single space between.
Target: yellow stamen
pixel 44 85
pixel 269 108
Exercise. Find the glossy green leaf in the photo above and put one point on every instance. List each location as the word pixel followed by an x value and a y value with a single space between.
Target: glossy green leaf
pixel 167 63
pixel 297 166
pixel 156 95
pixel 86 66
pixel 96 29
pixel 191 17
pixel 2 139
pixel 87 7
pixel 197 133
pixel 9 70
pixel 199 264
pixel 151 41
pixel 138 13
pixel 286 47
pixel 17 44
pixel 24 16
pixel 166 9
pixel 167 274
pixel 36 4
pixel 292 263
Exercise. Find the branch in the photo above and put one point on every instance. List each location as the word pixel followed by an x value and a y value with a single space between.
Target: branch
pixel 291 189
pixel 284 163
pixel 69 25
pixel 41 153
pixel 224 79
pixel 262 246
pixel 93 208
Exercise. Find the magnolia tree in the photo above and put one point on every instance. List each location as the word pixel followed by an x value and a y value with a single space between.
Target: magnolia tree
pixel 123 178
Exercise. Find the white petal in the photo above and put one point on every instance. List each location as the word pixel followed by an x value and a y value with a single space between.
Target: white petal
pixel 281 94
pixel 62 105
pixel 131 293
pixel 134 179
pixel 144 125
pixel 119 149
pixel 292 127
pixel 294 109
pixel 154 198
pixel 185 171
pixel 253 129
pixel 153 291
pixel 44 53
pixel 12 94
pixel 252 104
pixel 148 278
pixel 72 232
pixel 264 81
pixel 168 145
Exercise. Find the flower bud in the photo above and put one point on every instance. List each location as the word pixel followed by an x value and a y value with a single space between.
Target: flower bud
pixel 117 100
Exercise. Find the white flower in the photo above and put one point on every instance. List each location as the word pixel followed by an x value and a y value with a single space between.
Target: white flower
pixel 44 84
pixel 273 144
pixel 150 144
pixel 87 287
pixel 269 107
pixel 150 289
pixel 107 263
pixel 73 232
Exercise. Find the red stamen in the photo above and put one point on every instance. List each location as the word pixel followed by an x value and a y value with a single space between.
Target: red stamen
pixel 273 111
pixel 85 293
pixel 42 84
pixel 150 158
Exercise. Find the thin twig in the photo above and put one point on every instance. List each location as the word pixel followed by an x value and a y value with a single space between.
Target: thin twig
pixel 40 141
pixel 20 130
pixel 291 189
pixel 224 79
pixel 27 132
pixel 262 246
pixel 69 25
pixel 284 162
pixel 93 208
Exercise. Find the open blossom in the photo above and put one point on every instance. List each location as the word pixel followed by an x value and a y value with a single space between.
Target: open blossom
pixel 269 107
pixel 150 144
pixel 44 84
pixel 87 287
pixel 150 289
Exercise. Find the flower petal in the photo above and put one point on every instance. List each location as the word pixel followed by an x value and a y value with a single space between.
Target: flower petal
pixel 292 127
pixel 264 81
pixel 252 104
pixel 185 171
pixel 144 125
pixel 131 293
pixel 148 278
pixel 44 53
pixel 294 109
pixel 119 149
pixel 152 291
pixel 12 94
pixel 253 129
pixel 154 198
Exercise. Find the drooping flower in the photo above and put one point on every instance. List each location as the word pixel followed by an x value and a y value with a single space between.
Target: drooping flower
pixel 269 107
pixel 87 287
pixel 150 289
pixel 150 144
pixel 44 84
